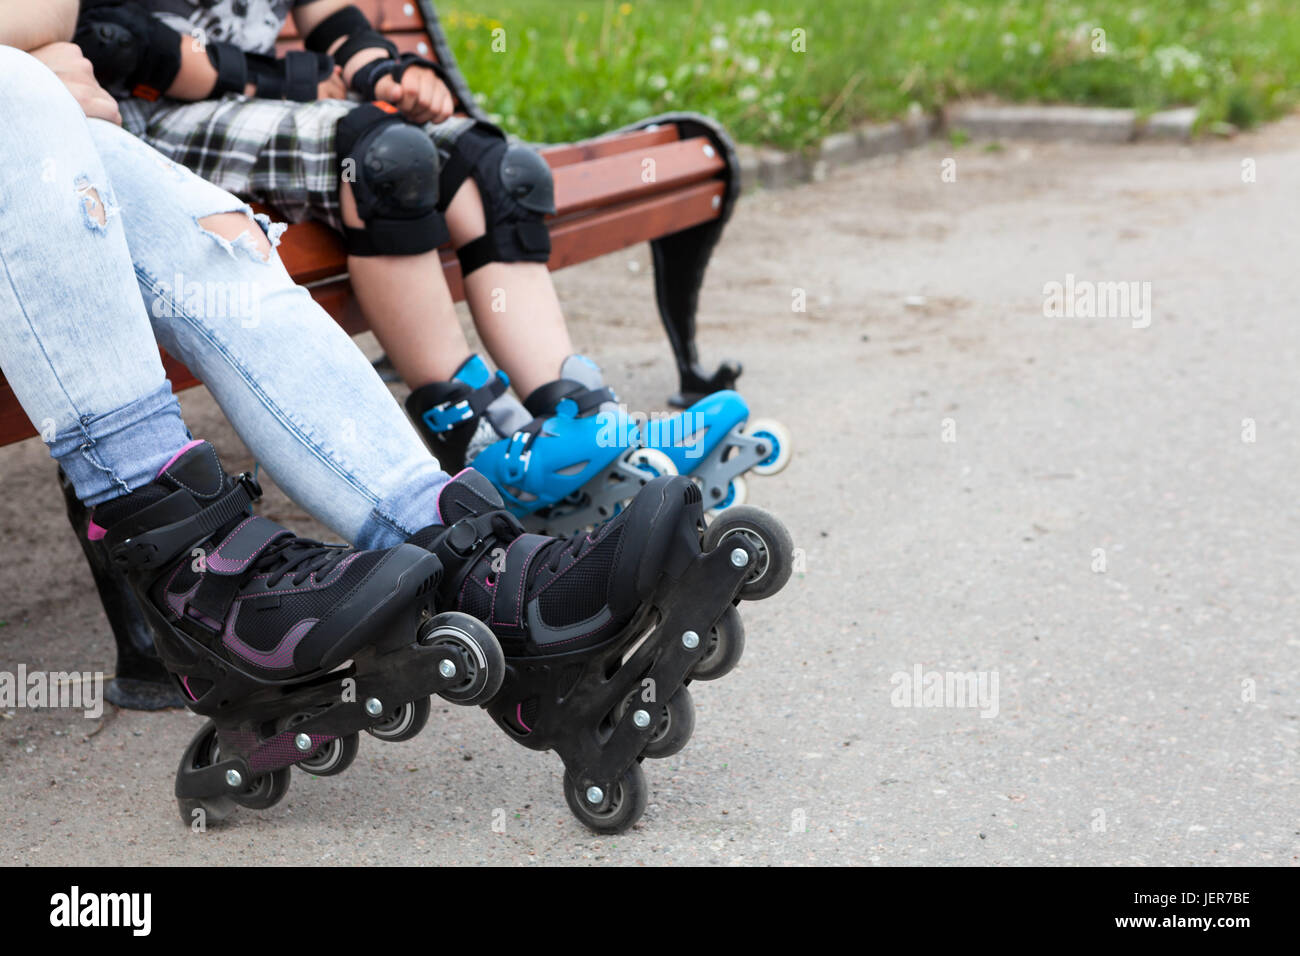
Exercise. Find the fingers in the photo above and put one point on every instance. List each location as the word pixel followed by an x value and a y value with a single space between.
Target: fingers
pixel 95 101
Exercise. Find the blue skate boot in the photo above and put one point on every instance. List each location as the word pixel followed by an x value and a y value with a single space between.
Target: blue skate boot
pixel 714 443
pixel 577 461
pixel 459 418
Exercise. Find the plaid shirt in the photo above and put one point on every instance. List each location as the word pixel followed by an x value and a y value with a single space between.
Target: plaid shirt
pixel 273 151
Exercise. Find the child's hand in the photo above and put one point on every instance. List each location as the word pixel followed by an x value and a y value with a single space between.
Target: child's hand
pixel 333 87
pixel 75 72
pixel 420 97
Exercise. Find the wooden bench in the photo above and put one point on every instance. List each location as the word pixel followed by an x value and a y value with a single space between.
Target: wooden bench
pixel 603 204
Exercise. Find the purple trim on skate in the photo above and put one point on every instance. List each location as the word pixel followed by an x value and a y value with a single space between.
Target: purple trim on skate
pixel 519 716
pixel 176 600
pixel 274 752
pixel 185 682
pixel 94 532
pixel 281 658
pixel 171 461
pixel 244 533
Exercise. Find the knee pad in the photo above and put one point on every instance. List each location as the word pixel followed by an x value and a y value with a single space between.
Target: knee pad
pixel 517 191
pixel 394 167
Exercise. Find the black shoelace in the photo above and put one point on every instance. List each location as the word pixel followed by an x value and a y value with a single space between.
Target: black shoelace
pixel 300 556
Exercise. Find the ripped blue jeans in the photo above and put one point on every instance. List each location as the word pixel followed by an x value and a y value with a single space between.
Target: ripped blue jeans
pixel 107 250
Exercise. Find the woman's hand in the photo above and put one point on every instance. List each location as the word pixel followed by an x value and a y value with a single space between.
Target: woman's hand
pixel 75 72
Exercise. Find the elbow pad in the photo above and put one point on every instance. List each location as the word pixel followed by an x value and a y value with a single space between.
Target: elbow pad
pixel 128 47
pixel 349 22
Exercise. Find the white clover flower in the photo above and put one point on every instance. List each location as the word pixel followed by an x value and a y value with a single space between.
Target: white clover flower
pixel 719 43
pixel 658 82
pixel 762 18
pixel 747 94
pixel 750 64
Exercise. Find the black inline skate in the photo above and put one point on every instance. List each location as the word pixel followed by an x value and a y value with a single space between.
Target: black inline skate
pixel 602 631
pixel 290 646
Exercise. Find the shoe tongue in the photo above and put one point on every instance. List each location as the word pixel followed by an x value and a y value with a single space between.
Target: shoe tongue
pixel 580 369
pixel 196 469
pixel 466 495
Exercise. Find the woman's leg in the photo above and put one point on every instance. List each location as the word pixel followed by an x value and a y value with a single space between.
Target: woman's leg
pixel 299 392
pixel 75 341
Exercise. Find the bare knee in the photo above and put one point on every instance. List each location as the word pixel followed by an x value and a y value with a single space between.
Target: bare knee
pixel 236 229
pixel 465 218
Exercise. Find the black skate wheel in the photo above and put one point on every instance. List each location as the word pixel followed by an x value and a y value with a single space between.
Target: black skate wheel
pixel 203 751
pixel 333 757
pixel 675 729
pixel 726 644
pixel 616 811
pixel 265 791
pixel 207 811
pixel 403 723
pixel 485 665
pixel 767 534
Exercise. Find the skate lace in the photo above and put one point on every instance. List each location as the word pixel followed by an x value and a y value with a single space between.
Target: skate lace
pixel 572 545
pixel 300 557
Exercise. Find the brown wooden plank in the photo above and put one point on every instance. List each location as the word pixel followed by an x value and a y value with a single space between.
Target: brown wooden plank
pixel 557 156
pixel 608 230
pixel 613 179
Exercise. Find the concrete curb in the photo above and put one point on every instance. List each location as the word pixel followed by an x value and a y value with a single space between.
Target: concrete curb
pixel 775 169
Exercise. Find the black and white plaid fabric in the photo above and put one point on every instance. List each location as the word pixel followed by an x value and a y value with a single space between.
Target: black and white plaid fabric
pixel 276 152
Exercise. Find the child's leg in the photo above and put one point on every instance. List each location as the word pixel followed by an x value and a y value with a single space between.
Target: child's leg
pixel 515 308
pixel 75 341
pixel 409 307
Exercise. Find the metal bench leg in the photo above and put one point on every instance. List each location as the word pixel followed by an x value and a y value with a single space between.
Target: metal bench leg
pixel 140 682
pixel 680 260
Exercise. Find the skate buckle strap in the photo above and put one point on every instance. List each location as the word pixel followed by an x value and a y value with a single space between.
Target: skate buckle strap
pixel 228 562
pixel 151 549
pixel 448 415
pixel 508 600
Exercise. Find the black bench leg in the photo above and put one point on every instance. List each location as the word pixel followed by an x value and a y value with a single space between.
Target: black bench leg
pixel 680 260
pixel 140 682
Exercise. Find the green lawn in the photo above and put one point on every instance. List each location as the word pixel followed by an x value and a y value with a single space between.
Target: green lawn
pixel 575 68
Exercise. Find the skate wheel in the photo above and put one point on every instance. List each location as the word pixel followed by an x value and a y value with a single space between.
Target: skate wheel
pixel 737 494
pixel 617 811
pixel 213 809
pixel 403 723
pixel 485 665
pixel 674 728
pixel 780 448
pixel 265 791
pixel 203 751
pixel 768 535
pixel 332 757
pixel 726 644
pixel 673 732
pixel 653 462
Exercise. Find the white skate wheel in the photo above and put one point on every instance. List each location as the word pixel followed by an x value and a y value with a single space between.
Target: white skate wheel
pixel 737 494
pixel 652 461
pixel 775 434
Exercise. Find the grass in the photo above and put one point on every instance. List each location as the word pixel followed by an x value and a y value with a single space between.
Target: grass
pixel 575 68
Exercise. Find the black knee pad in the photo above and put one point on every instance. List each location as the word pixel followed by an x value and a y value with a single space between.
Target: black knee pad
pixel 517 191
pixel 394 167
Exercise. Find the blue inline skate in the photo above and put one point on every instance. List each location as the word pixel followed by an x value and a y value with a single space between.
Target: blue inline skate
pixel 714 443
pixel 567 458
